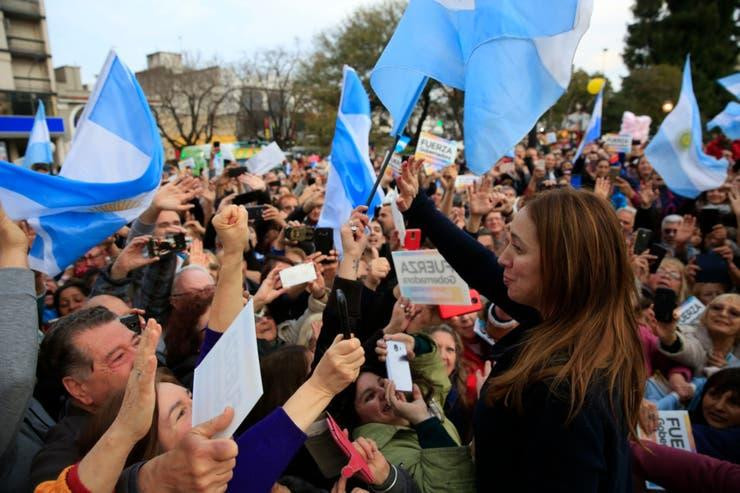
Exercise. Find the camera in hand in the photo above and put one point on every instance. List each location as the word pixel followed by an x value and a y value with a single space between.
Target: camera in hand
pixel 168 244
pixel 664 303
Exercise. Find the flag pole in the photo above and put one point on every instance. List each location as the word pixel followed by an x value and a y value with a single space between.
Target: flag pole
pixel 382 170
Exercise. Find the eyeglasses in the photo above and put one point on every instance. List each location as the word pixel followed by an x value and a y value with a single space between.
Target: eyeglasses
pixel 676 276
pixel 719 308
pixel 670 231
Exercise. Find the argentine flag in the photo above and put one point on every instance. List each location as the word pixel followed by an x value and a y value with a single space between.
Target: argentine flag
pixel 732 84
pixel 728 121
pixel 676 150
pixel 351 176
pixel 38 149
pixel 593 131
pixel 109 177
pixel 513 59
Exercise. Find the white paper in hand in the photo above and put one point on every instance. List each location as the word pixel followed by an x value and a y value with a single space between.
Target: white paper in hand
pixel 397 366
pixel 268 158
pixel 298 274
pixel 229 375
pixel 397 217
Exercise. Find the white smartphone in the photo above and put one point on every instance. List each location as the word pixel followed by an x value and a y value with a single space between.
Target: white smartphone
pixel 298 274
pixel 397 366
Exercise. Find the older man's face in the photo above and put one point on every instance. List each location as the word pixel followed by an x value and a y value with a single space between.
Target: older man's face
pixel 627 220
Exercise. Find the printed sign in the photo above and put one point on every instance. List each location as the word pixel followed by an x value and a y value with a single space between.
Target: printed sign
pixel 425 277
pixel 464 181
pixel 674 430
pixel 436 152
pixel 619 143
pixel 690 311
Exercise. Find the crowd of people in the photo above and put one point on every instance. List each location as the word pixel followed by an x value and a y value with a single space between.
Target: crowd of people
pixel 550 386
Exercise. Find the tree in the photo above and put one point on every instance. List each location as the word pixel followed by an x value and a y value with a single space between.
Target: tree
pixel 187 99
pixel 270 100
pixel 643 92
pixel 576 96
pixel 358 42
pixel 665 31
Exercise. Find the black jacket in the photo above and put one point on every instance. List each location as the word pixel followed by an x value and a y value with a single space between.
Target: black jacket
pixel 532 451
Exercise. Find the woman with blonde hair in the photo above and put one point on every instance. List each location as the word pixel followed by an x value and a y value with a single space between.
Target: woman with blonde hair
pixel 566 386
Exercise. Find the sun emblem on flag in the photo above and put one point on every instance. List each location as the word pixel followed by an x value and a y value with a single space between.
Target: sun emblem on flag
pixel 684 140
pixel 119 205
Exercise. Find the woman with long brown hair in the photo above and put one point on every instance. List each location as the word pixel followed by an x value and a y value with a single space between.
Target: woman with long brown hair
pixel 566 386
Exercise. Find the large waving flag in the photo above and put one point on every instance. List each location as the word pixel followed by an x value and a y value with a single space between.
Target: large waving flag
pixel 513 59
pixel 676 150
pixel 732 84
pixel 593 131
pixel 109 177
pixel 38 149
pixel 728 121
pixel 351 176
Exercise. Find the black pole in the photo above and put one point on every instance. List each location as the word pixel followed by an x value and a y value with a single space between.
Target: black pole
pixel 382 170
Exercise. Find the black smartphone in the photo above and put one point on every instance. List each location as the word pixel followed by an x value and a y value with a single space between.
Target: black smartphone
pixel 255 211
pixel 343 311
pixel 664 302
pixel 659 252
pixel 323 239
pixel 234 172
pixel 131 322
pixel 642 240
pixel 168 244
pixel 708 219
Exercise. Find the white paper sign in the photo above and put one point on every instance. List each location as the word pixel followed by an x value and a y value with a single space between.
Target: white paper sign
pixel 690 310
pixel 674 430
pixel 398 221
pixel 464 181
pixel 298 274
pixel 229 375
pixel 268 158
pixel 425 277
pixel 550 138
pixel 620 143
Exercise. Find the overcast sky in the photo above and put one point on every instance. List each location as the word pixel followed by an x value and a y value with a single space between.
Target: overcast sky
pixel 82 31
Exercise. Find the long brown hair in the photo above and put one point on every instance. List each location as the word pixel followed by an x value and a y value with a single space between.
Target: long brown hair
pixel 588 331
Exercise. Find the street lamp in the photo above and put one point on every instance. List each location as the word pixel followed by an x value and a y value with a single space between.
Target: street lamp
pixel 667 106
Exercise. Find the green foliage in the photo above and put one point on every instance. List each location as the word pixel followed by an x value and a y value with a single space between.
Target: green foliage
pixel 575 95
pixel 665 31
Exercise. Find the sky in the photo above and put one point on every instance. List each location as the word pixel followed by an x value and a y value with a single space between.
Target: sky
pixel 82 31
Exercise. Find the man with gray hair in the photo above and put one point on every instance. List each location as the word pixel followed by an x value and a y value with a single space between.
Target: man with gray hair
pixel 626 217
pixel 668 232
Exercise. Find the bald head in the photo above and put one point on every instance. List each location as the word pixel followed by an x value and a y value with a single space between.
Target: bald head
pixel 191 278
pixel 112 303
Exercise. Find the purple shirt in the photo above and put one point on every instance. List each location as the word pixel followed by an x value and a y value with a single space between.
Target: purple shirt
pixel 265 449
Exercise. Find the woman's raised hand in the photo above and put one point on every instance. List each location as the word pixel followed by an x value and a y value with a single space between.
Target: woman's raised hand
pixel 408 183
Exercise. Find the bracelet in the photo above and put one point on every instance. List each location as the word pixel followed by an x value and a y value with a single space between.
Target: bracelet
pixel 395 478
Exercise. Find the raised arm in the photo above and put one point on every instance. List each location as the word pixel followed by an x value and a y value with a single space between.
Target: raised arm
pixel 475 264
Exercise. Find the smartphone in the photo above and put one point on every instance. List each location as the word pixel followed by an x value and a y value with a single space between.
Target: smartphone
pixel 659 252
pixel 449 311
pixel 299 233
pixel 614 172
pixel 664 302
pixel 397 366
pixel 255 211
pixel 343 310
pixel 642 240
pixel 413 239
pixel 708 219
pixel 131 322
pixel 168 244
pixel 234 172
pixel 323 239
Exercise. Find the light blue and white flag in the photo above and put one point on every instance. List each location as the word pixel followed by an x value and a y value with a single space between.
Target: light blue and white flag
pixel 403 141
pixel 593 131
pixel 109 177
pixel 513 59
pixel 38 149
pixel 728 121
pixel 676 150
pixel 732 84
pixel 351 176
